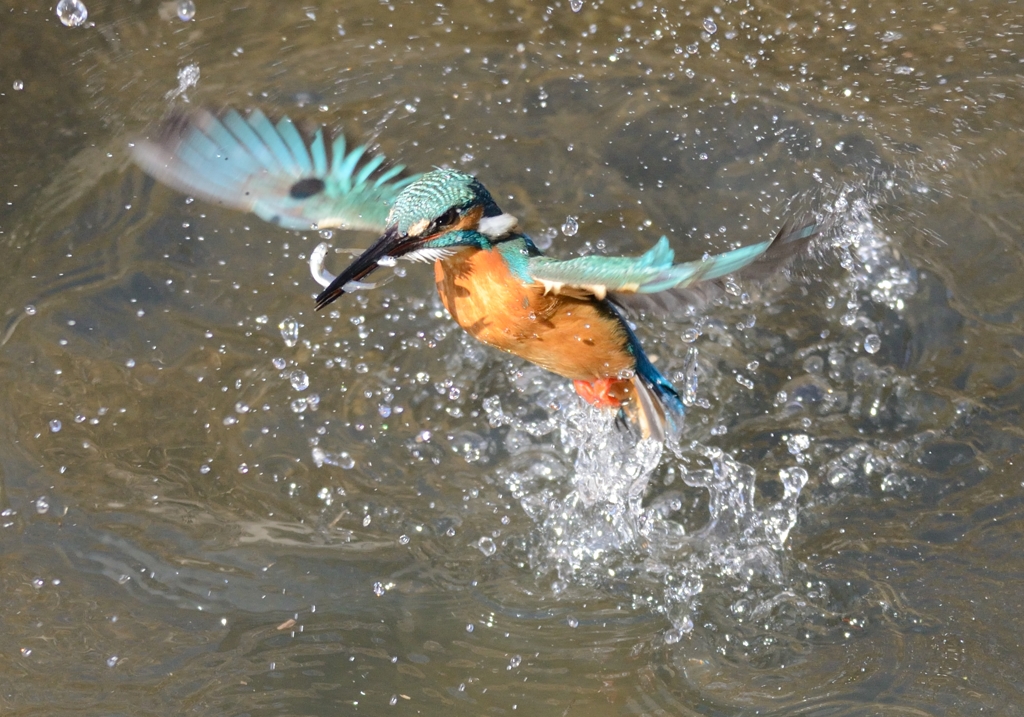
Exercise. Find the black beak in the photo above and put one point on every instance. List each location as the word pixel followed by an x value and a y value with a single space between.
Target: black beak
pixel 391 243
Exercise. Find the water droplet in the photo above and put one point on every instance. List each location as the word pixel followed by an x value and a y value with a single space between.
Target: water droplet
pixel 241 407
pixel 112 661
pixel 514 662
pixel 38 583
pixel 205 468
pixel 342 460
pixel 570 226
pixel 186 10
pixel 299 380
pixel 19 85
pixel 279 364
pixel 289 328
pixel 872 343
pixel 799 443
pixel 55 426
pixel 690 377
pixel 576 5
pixel 573 622
pixel 42 504
pixel 487 546
pixel 72 13
pixel 469 627
pixel 709 26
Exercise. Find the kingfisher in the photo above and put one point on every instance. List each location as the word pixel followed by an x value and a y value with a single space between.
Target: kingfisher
pixel 565 315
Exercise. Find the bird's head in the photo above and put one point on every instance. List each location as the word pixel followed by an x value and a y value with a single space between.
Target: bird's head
pixel 431 219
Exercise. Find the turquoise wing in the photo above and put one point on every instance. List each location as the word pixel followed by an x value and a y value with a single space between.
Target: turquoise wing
pixel 626 279
pixel 273 170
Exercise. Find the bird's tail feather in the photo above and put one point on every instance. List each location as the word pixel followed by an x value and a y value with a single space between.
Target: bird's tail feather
pixel 656 409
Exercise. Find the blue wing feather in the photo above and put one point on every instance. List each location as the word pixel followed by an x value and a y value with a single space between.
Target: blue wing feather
pixel 296 146
pixel 654 271
pixel 253 164
pixel 319 153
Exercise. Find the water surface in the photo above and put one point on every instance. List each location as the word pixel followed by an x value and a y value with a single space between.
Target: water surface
pixel 216 501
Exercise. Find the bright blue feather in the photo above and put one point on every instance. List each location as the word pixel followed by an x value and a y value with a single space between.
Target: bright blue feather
pixel 253 164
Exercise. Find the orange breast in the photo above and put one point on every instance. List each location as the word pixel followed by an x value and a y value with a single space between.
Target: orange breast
pixel 576 338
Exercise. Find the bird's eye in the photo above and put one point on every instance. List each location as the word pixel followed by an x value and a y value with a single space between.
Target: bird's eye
pixel 447 219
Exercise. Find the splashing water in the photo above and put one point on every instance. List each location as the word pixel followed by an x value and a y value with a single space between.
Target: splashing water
pixel 594 528
pixel 188 77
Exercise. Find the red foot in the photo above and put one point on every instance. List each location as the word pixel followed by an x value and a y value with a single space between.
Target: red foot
pixel 604 392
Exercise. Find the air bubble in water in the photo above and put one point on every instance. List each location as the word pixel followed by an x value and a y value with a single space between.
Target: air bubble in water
pixel 872 343
pixel 710 27
pixel 576 5
pixel 186 10
pixel 570 226
pixel 19 85
pixel 55 426
pixel 42 504
pixel 72 13
pixel 289 328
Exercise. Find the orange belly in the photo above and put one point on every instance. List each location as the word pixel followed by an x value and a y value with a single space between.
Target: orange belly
pixel 577 338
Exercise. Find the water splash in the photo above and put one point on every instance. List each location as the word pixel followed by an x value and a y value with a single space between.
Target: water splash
pixel 594 528
pixel 188 77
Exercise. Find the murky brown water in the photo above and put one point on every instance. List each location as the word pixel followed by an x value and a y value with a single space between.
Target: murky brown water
pixel 205 514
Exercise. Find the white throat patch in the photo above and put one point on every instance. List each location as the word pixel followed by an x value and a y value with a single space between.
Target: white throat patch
pixel 497 227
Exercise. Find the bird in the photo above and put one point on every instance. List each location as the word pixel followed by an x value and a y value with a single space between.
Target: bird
pixel 568 316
